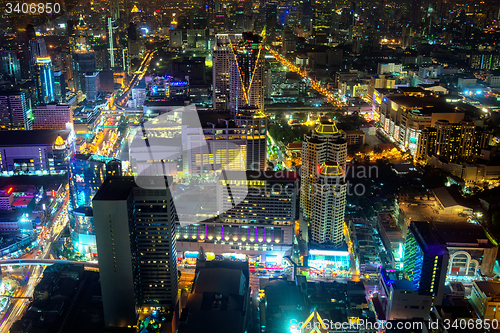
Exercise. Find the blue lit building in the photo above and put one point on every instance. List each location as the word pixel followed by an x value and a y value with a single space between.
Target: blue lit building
pixel 426 260
pixel 87 173
pixel 44 75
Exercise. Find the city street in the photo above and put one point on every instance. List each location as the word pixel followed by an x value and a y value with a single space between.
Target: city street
pixel 18 306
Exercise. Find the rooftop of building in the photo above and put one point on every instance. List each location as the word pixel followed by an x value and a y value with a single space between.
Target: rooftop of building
pixel 217 303
pixel 448 196
pixel 453 311
pixel 115 188
pixel 93 158
pixel 403 285
pixel 35 137
pixel 260 175
pixel 463 234
pixel 428 238
pixel 280 292
pixel 489 288
pixel 297 145
pixel 119 187
pixel 331 169
pixel 326 128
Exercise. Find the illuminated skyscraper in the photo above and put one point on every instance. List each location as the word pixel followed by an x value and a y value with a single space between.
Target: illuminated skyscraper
pixel 44 75
pixel 246 74
pixel 10 64
pixel 222 52
pixel 135 230
pixel 329 200
pixel 86 174
pixel 15 111
pixel 323 144
pixel 426 260
pixel 60 87
pixel 37 49
pixel 52 116
pixel 83 62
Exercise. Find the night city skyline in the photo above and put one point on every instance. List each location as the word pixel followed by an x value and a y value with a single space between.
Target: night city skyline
pixel 249 166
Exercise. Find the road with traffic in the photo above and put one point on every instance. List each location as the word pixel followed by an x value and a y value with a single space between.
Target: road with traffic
pixel 18 306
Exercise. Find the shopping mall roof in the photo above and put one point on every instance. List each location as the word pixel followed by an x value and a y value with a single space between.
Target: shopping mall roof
pixel 35 137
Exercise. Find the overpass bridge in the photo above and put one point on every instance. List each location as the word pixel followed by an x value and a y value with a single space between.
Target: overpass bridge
pixel 45 262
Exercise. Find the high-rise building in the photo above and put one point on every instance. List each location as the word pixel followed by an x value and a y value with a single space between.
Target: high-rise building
pixel 35 152
pixel 453 141
pixel 237 145
pixel 329 202
pixel 323 144
pixel 60 86
pixel 426 143
pixel 10 64
pixel 37 49
pixel 255 218
pixel 246 74
pixel 426 260
pixel 86 174
pixel 52 116
pixel 83 62
pixel 44 75
pixel 222 52
pixel 266 197
pixel 135 231
pixel 288 41
pixel 271 17
pixel 459 141
pixel 92 86
pixel 15 111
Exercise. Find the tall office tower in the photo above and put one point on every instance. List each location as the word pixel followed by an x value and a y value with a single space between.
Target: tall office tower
pixel 37 49
pixel 266 197
pixel 239 144
pixel 86 174
pixel 10 64
pixel 426 145
pixel 246 74
pixel 92 86
pixel 426 260
pixel 83 62
pixel 256 217
pixel 135 231
pixel 15 111
pixel 329 201
pixel 307 14
pixel 111 36
pixel 459 141
pixel 44 76
pixel 288 41
pixel 53 116
pixel 323 144
pixel 59 87
pixel 271 17
pixel 222 53
pixel 114 10
pixel 81 38
pixel 416 13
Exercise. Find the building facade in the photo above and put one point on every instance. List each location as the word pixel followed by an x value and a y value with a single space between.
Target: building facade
pixel 35 152
pixel 135 231
pixel 221 57
pixel 15 111
pixel 426 260
pixel 44 77
pixel 328 207
pixel 52 117
pixel 87 173
pixel 324 144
